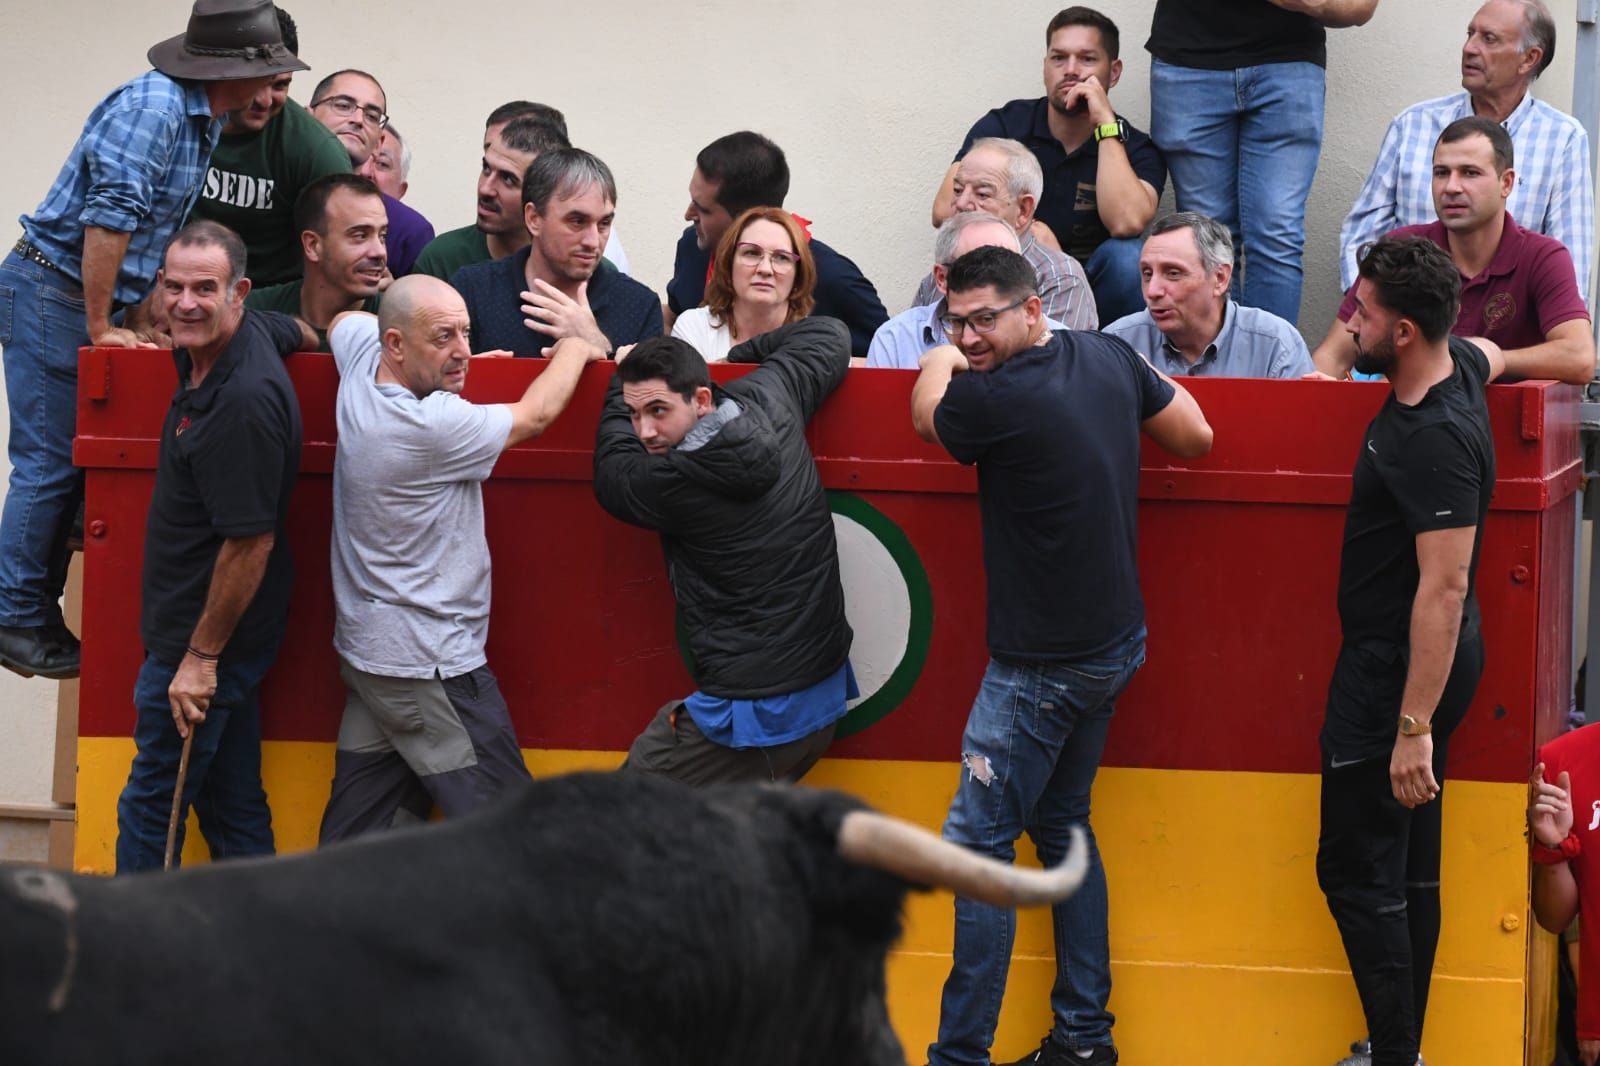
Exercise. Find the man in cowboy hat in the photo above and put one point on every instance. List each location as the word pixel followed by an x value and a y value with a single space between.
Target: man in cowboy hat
pixel 91 248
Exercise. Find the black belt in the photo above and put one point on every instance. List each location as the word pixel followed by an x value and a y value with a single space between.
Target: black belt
pixel 26 249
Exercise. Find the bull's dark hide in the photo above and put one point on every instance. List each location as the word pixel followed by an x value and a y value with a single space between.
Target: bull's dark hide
pixel 591 919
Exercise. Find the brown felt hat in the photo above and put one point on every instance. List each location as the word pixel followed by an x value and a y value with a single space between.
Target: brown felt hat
pixel 227 40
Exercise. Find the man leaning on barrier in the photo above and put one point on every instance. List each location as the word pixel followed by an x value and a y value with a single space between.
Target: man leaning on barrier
pixel 91 247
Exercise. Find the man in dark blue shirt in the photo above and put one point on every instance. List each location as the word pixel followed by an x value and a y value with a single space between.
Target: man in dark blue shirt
pixel 1053 422
pixel 733 174
pixel 559 286
pixel 1102 177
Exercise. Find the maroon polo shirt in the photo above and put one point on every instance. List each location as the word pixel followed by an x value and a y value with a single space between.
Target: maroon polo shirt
pixel 1528 288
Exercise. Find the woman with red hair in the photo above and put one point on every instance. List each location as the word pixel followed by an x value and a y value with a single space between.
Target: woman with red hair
pixel 762 277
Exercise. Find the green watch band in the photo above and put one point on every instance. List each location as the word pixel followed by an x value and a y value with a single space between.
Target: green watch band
pixel 1116 130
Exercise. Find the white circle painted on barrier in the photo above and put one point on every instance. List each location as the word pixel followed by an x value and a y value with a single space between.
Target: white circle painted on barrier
pixel 877 604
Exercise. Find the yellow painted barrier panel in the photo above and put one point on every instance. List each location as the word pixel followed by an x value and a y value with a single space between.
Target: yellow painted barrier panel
pixel 1222 947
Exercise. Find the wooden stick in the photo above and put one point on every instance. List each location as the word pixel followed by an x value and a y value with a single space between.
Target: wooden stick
pixel 177 796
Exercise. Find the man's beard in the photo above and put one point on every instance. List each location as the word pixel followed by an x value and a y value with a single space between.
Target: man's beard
pixel 1079 106
pixel 1380 360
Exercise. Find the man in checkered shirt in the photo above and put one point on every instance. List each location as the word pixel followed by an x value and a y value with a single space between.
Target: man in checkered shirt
pixel 1509 44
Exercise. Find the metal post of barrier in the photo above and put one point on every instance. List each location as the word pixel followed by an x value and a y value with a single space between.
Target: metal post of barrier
pixel 1589 421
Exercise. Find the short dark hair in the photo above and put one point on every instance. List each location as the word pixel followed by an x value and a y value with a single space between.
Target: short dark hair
pixel 750 171
pixel 1011 275
pixel 669 359
pixel 1476 126
pixel 208 234
pixel 311 206
pixel 517 108
pixel 533 135
pixel 1416 279
pixel 325 84
pixel 564 170
pixel 1110 39
pixel 286 27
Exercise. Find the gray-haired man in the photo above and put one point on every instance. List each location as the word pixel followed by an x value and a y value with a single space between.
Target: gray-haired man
pixel 559 286
pixel 1189 326
pixel 901 342
pixel 1002 178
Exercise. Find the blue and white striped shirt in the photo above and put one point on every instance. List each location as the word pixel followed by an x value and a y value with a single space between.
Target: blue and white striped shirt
pixel 1553 194
pixel 137 168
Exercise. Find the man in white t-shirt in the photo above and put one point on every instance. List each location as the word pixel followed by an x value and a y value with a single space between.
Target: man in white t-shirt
pixel 424 721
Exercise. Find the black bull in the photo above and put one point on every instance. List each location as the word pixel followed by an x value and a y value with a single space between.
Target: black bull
pixel 590 919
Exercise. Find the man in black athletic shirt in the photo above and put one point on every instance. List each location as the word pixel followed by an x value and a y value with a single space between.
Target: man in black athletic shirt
pixel 1411 652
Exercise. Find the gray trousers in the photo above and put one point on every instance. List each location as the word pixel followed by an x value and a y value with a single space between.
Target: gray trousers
pixel 673 746
pixel 406 744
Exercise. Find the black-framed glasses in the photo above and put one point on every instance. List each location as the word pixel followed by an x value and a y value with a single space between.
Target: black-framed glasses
pixel 347 105
pixel 751 256
pixel 980 321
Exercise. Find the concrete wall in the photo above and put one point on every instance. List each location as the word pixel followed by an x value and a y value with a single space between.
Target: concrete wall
pixel 868 100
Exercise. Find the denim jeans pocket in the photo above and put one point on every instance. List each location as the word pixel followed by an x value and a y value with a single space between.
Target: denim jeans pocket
pixel 8 303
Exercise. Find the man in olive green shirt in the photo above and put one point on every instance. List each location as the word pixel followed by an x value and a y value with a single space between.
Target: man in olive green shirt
pixel 342 225
pixel 264 158
pixel 499 230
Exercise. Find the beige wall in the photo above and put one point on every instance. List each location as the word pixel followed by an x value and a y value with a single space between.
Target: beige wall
pixel 868 99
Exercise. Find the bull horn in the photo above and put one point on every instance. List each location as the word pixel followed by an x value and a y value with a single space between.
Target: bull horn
pixel 916 855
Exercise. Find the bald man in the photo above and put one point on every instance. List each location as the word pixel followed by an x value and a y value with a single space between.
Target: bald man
pixel 901 342
pixel 424 722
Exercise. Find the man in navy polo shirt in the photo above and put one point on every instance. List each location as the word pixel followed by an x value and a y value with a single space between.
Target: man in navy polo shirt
pixel 215 592
pixel 559 286
pixel 1053 422
pixel 731 175
pixel 1102 177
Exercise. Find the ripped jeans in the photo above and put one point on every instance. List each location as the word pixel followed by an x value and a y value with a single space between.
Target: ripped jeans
pixel 1029 756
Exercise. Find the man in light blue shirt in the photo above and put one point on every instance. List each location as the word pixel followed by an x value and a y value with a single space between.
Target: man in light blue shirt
pixel 1189 327
pixel 901 341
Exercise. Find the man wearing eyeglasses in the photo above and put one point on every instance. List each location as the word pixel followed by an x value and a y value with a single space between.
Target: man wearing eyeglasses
pixel 353 106
pixel 1052 420
pixel 901 342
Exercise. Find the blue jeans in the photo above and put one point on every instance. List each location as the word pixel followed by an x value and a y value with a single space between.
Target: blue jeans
pixel 1242 147
pixel 1113 272
pixel 224 782
pixel 42 327
pixel 1029 756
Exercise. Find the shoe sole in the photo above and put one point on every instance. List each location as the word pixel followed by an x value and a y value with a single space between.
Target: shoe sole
pixel 29 671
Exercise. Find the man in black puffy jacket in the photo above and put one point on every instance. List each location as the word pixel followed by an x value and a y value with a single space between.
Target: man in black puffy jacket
pixel 727 479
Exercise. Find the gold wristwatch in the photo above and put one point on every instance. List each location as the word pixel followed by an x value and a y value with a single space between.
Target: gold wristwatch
pixel 1410 727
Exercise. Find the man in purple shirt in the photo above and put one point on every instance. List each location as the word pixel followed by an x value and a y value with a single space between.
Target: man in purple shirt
pixel 1518 288
pixel 91 247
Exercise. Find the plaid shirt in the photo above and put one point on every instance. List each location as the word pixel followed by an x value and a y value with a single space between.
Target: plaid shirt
pixel 137 168
pixel 1063 287
pixel 1553 194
